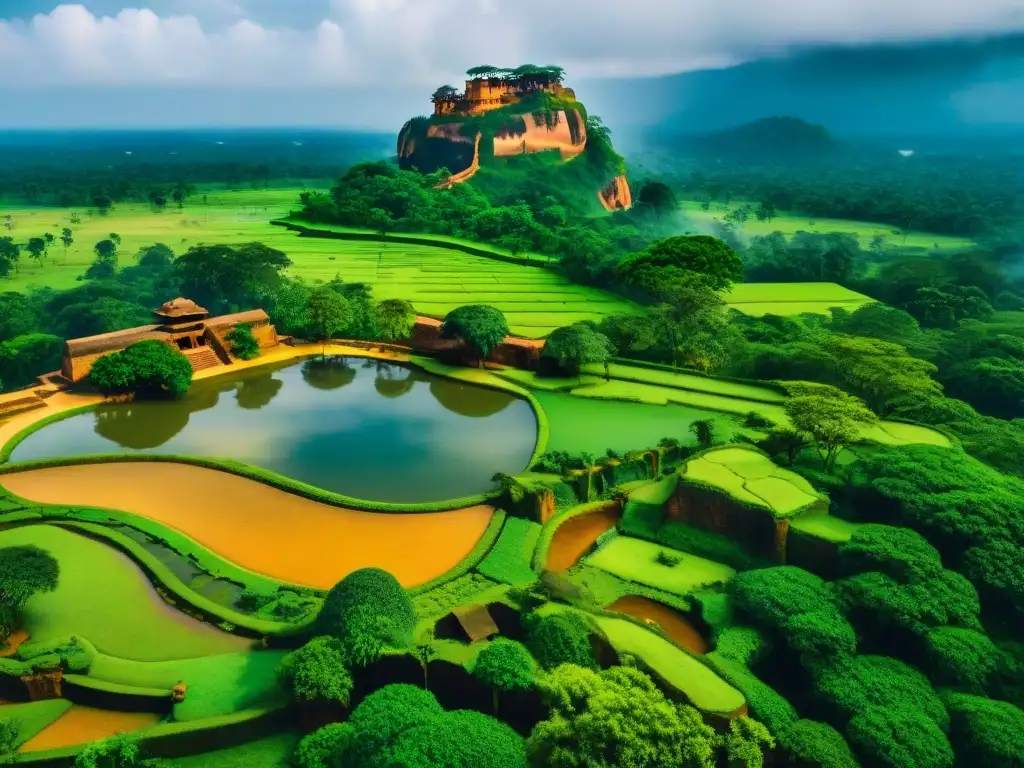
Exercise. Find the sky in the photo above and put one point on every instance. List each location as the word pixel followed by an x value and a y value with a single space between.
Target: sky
pixel 366 63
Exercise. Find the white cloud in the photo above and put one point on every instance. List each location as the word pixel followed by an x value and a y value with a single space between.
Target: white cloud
pixel 387 42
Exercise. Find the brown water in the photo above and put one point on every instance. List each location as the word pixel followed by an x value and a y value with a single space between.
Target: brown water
pixel 676 625
pixel 574 537
pixel 80 725
pixel 261 528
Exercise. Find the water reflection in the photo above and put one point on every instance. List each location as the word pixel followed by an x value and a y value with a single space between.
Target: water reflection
pixel 327 373
pixel 141 426
pixel 373 430
pixel 467 400
pixel 255 393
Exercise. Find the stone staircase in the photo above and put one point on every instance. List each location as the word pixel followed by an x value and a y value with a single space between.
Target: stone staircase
pixel 202 358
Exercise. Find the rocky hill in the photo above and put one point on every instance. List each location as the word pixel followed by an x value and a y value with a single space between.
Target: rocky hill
pixel 505 114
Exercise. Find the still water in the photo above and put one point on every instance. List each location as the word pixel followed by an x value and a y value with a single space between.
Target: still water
pixel 363 428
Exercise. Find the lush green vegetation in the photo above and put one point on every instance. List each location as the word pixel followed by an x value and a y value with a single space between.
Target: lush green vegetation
pixel 147 369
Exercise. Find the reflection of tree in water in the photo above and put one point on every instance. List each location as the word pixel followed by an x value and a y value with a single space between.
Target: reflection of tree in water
pixel 394 380
pixel 257 392
pixel 467 400
pixel 145 425
pixel 328 372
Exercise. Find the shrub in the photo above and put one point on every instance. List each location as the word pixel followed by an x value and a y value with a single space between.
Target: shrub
pixel 743 644
pixel 820 635
pixel 505 665
pixel 10 736
pixel 899 738
pixel 560 639
pixel 316 672
pixel 367 610
pixel 898 552
pixel 986 732
pixel 617 717
pixel 244 345
pixel 961 657
pixel 480 326
pixel 149 369
pixel 324 748
pixel 117 752
pixel 384 715
pixel 746 743
pixel 395 319
pixel 755 420
pixel 855 684
pixel 812 743
pixel 459 739
pixel 667 559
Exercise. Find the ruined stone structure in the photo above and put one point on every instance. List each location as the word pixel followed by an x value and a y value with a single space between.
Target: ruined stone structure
pixel 181 323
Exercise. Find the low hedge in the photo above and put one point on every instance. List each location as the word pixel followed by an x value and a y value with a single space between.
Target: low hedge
pixel 89 692
pixel 470 561
pixel 256 474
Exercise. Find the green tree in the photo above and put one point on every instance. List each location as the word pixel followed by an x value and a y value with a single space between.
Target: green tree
pixel 104 267
pixel 367 610
pixel 36 248
pixel 385 715
pixel 316 673
pixel 395 319
pixel 896 738
pixel 244 345
pixel 504 666
pixel 711 258
pixel 19 315
pixel 146 369
pixel 832 418
pixel 577 345
pixel 879 371
pixel 994 385
pixel 746 743
pixel 813 743
pixel 324 748
pixel 479 326
pixel 459 739
pixel 229 278
pixel 704 431
pixel 10 737
pixel 24 572
pixel 94 316
pixel 327 312
pixel 692 320
pixel 24 358
pixel 558 639
pixel 10 255
pixel 965 658
pixel 67 239
pixel 616 717
pixel 659 197
pixel 985 731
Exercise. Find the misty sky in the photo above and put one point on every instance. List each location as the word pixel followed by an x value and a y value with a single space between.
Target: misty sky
pixel 359 63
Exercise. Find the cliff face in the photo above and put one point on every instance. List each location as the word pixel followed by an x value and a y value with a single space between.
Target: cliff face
pixel 565 131
pixel 616 196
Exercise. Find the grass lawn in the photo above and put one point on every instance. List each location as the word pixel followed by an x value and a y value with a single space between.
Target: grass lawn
pixel 217 685
pixel 659 395
pixel 752 478
pixel 757 299
pixel 104 597
pixel 583 425
pixel 637 561
pixel 436 279
pixel 509 561
pixel 705 689
pixel 268 752
pixel 789 224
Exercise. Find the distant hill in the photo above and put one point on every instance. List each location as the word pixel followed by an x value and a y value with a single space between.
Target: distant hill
pixel 770 139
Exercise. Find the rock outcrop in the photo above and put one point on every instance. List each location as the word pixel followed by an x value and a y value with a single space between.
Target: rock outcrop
pixel 495 118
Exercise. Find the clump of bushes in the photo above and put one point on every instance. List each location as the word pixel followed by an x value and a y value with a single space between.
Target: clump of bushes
pixel 558 639
pixel 316 673
pixel 504 666
pixel 244 345
pixel 667 559
pixel 367 611
pixel 402 725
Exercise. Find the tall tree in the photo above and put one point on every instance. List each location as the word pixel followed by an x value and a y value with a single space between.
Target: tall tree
pixel 833 418
pixel 24 572
pixel 36 248
pixel 67 238
pixel 10 254
pixel 577 345
pixel 328 312
pixel 480 326
pixel 395 319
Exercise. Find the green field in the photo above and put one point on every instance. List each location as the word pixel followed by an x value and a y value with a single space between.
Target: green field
pixel 581 425
pixel 270 752
pixel 105 598
pixel 637 561
pixel 758 299
pixel 789 224
pixel 752 478
pixel 510 560
pixel 535 300
pixel 705 689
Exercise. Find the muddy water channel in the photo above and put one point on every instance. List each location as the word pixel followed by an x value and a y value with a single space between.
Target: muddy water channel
pixel 675 624
pixel 364 428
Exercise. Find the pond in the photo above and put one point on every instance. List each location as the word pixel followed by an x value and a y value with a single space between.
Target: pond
pixel 367 429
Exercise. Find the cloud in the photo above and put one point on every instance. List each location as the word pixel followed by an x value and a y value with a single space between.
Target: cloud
pixel 423 42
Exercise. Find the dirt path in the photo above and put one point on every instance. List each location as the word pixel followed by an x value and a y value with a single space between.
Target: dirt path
pixel 261 528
